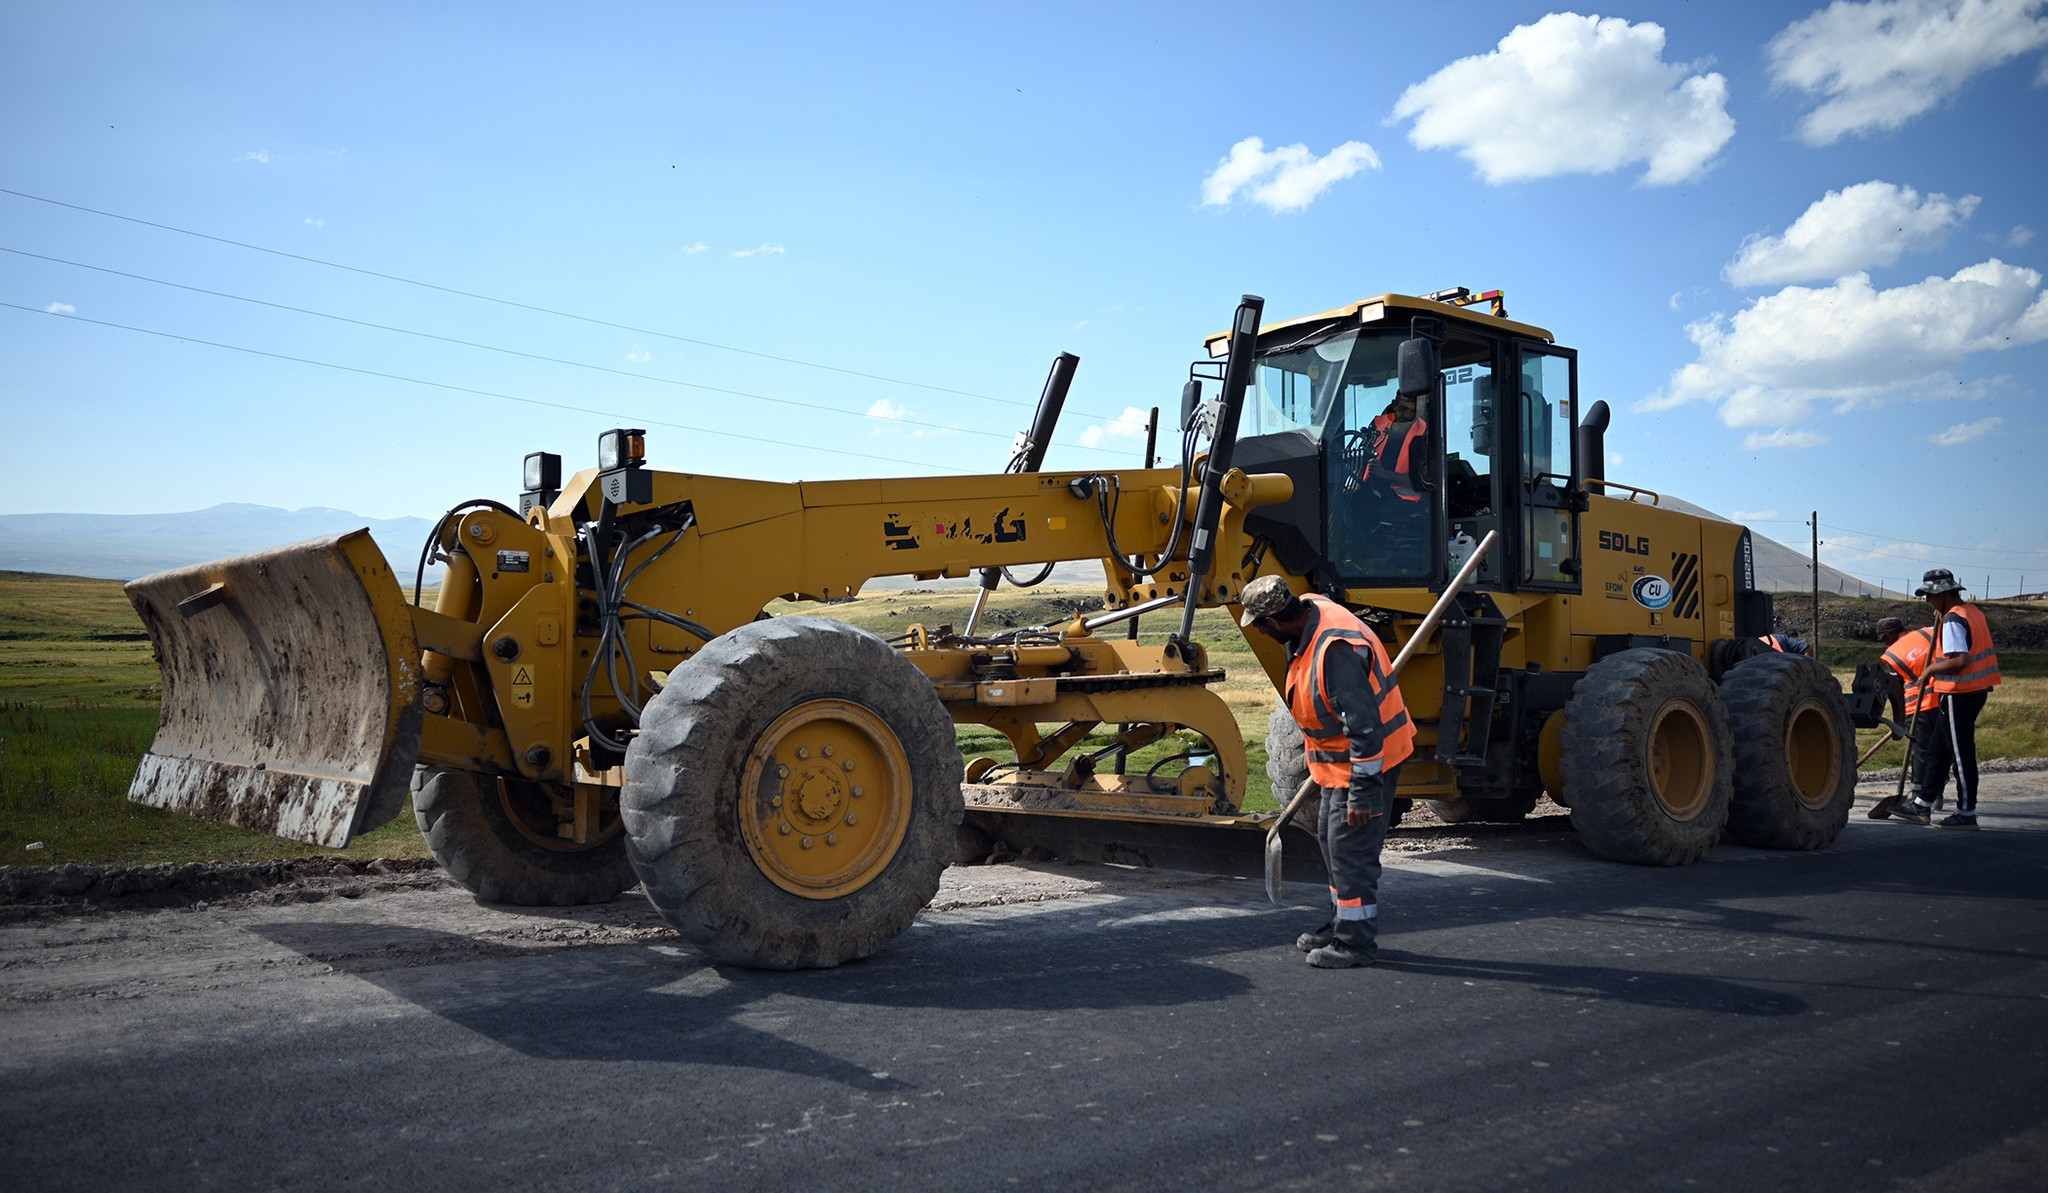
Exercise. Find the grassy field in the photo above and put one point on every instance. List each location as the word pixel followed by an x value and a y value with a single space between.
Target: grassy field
pixel 78 704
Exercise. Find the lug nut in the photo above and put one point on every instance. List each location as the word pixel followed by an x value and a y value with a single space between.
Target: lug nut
pixel 847 764
pixel 782 772
pixel 827 751
pixel 807 842
pixel 850 820
pixel 803 751
pixel 831 838
pixel 783 828
pixel 856 791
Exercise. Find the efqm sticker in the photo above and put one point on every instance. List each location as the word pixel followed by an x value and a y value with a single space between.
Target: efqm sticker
pixel 1651 592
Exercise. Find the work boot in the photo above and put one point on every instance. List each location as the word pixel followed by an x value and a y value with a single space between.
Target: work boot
pixel 1962 820
pixel 1338 955
pixel 1912 811
pixel 1309 942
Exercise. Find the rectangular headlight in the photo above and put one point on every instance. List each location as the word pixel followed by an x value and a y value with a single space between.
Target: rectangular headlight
pixel 621 448
pixel 543 471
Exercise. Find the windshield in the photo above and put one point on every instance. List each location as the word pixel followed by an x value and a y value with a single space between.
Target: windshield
pixel 1340 387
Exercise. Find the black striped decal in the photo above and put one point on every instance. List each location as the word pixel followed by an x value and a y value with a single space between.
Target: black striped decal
pixel 1685 585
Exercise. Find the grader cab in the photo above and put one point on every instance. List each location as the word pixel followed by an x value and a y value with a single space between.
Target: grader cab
pixel 598 699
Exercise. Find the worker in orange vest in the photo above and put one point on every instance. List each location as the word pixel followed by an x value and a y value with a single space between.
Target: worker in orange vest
pixel 1963 672
pixel 1355 728
pixel 1905 655
pixel 1787 644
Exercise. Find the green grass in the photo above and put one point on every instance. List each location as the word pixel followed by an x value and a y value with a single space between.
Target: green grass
pixel 64 773
pixel 78 706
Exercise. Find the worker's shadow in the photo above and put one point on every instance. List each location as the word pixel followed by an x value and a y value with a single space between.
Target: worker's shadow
pixel 1673 991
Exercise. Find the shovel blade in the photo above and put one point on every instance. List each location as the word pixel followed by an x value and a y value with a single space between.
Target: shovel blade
pixel 291 701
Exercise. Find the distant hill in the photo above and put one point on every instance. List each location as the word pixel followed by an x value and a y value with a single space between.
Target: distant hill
pixel 124 546
pixel 1780 568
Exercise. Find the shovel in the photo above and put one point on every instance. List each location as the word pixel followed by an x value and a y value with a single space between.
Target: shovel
pixel 1415 640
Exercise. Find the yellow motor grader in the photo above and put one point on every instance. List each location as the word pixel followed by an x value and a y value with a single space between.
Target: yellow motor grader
pixel 597 697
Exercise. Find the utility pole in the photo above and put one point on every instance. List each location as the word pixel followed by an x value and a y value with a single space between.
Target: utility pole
pixel 1816 582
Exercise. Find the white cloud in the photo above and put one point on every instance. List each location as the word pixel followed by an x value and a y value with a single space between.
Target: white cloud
pixel 639 355
pixel 1573 94
pixel 1880 64
pixel 314 221
pixel 1285 179
pixel 1849 343
pixel 61 308
pixel 1964 432
pixel 2019 236
pixel 1754 515
pixel 1871 223
pixel 886 409
pixel 768 248
pixel 1131 424
pixel 260 156
pixel 691 250
pixel 1782 437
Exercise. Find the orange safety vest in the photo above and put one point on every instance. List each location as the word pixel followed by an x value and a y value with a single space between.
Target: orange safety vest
pixel 1908 655
pixel 1308 697
pixel 1981 671
pixel 1774 642
pixel 1382 439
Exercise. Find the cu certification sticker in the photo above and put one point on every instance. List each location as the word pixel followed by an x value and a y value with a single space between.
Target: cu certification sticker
pixel 1652 592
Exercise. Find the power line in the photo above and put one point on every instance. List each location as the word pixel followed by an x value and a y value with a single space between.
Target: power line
pixel 681 339
pixel 576 364
pixel 464 389
pixel 1938 546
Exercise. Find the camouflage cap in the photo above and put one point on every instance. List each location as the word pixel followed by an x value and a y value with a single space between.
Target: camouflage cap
pixel 1936 582
pixel 1264 597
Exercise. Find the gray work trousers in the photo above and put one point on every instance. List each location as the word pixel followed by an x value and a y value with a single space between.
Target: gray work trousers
pixel 1351 854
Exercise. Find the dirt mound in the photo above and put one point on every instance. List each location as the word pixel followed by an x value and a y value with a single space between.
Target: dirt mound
pixel 2013 626
pixel 27 891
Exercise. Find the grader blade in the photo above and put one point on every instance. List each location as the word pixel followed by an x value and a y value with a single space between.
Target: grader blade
pixel 291 690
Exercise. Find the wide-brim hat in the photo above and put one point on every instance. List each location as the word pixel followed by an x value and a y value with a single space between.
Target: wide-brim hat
pixel 1936 582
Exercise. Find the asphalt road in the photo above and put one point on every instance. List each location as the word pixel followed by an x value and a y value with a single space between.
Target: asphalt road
pixel 1871 1016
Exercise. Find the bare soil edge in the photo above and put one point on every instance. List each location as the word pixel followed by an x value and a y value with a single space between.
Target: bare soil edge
pixel 34 892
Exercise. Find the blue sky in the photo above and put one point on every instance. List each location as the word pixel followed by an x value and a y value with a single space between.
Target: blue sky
pixel 293 255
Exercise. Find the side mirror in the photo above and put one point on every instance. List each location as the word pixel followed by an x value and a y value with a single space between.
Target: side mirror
pixel 1190 398
pixel 1417 368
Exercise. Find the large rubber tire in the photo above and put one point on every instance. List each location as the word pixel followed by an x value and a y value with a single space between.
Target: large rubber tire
pixel 1287 766
pixel 1648 759
pixel 1795 753
pixel 1286 756
pixel 792 796
pixel 495 838
pixel 1485 809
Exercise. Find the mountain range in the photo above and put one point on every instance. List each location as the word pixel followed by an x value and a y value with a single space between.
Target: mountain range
pixel 124 546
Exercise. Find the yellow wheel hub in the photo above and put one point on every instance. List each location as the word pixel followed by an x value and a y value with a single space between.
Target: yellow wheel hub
pixel 1811 755
pixel 1681 760
pixel 825 798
